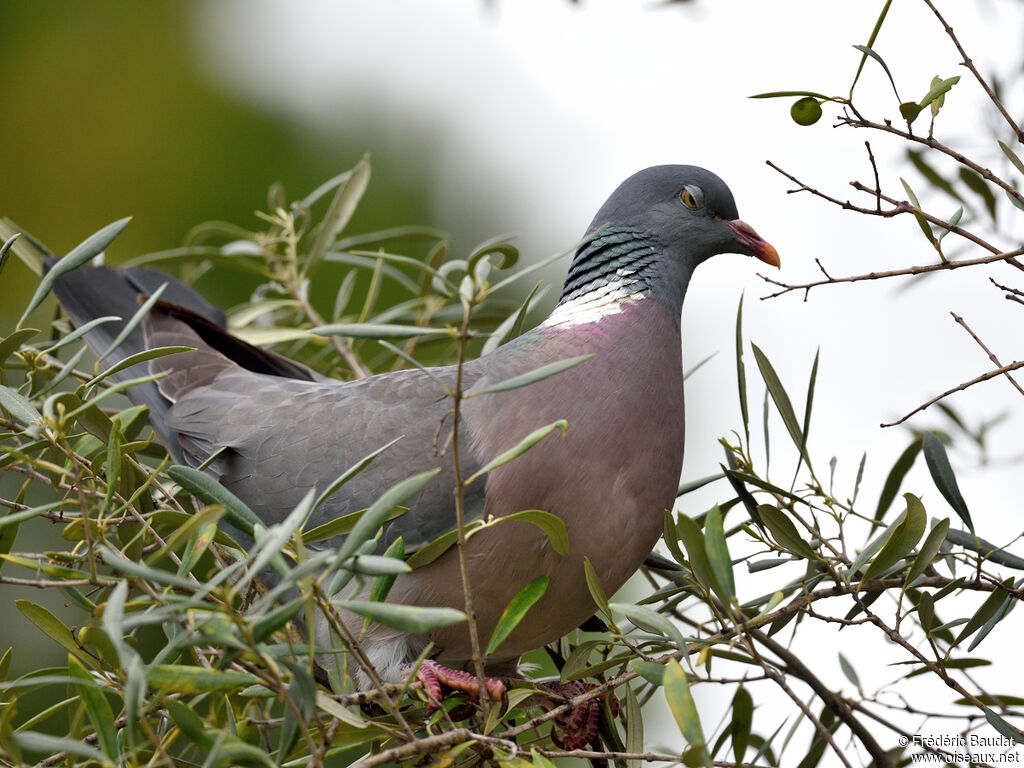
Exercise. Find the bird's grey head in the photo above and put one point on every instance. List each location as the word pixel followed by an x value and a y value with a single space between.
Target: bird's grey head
pixel 650 235
pixel 687 210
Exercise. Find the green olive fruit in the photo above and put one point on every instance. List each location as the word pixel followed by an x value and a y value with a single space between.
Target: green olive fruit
pixel 806 111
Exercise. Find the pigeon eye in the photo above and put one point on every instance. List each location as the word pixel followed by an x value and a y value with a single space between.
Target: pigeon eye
pixel 692 197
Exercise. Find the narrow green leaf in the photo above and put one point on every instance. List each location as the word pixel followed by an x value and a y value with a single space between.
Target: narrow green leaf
pixel 413 619
pixel 432 550
pixel 52 745
pixel 922 222
pixel 18 406
pixel 741 372
pixel 953 221
pixel 993 699
pixel 302 694
pixel 50 625
pixel 596 589
pixel 1012 157
pixel 947 664
pixel 351 187
pixel 112 463
pixel 649 671
pixel 209 491
pixel 989 625
pixel 530 377
pixel 690 371
pixel 80 254
pixel 693 540
pixel 634 727
pixel 552 526
pixel 578 660
pixel 270 541
pixel 377 565
pixel 189 723
pixel 689 486
pixel 903 539
pixel 516 610
pixel 784 94
pixel 201 536
pixel 380 331
pixel 936 104
pixel 928 550
pixel 1015 200
pixel 874 55
pixel 671 537
pixel 652 621
pixel 871 42
pixel 985 548
pixel 932 176
pixel 980 187
pixel 138 357
pixel 5 249
pixel 380 511
pixel 742 720
pixel 781 400
pixel 123 565
pixel 136 318
pixel 987 610
pixel 342 525
pixel 64 371
pixel 46 569
pixel 943 477
pixel 381 586
pixel 179 678
pixel 269 623
pixel 718 553
pixel 1004 727
pixel 926 612
pixel 818 743
pixel 680 702
pixel 333 708
pixel 784 531
pixel 522 447
pixel 97 707
pixel 809 403
pixel 745 496
pixel 512 326
pixel 399 352
pixel 938 91
pixel 894 479
pixel 14 340
pixel 849 671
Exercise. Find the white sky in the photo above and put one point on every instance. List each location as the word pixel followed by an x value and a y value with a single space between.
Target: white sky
pixel 538 109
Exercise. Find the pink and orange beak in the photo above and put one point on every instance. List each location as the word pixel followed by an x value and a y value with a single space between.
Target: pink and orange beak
pixel 754 243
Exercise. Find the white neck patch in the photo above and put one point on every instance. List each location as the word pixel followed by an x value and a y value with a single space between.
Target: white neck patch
pixel 607 298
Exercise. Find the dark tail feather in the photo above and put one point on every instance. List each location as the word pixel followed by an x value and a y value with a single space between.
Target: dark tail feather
pixel 90 292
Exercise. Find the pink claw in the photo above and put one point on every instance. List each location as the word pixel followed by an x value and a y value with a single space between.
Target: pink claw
pixel 580 725
pixel 433 675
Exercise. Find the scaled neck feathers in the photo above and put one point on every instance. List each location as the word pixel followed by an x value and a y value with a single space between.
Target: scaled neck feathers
pixel 614 269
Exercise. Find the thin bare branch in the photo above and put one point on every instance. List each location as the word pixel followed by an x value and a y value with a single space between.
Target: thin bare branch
pixel 984 377
pixel 977 75
pixel 995 360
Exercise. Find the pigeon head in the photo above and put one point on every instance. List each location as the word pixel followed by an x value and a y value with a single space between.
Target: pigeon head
pixel 648 238
pixel 688 211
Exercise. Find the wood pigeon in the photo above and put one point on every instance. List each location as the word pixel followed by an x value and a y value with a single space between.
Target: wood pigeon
pixel 282 429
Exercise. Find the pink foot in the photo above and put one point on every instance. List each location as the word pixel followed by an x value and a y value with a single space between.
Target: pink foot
pixel 433 675
pixel 579 726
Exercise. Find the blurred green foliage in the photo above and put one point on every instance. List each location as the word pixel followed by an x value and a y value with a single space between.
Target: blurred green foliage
pixel 108 113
